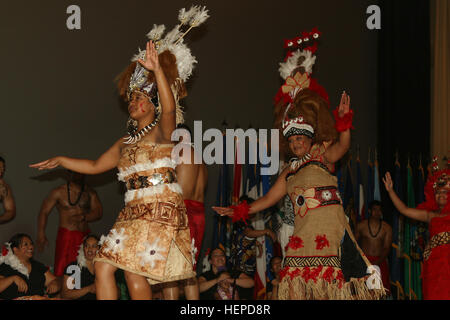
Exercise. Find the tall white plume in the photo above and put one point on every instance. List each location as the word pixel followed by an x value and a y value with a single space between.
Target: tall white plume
pixel 157 32
pixel 200 16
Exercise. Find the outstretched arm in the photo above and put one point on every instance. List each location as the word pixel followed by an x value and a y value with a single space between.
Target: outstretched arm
pixel 9 204
pixel 168 114
pixel 274 195
pixel 107 161
pixel 338 149
pixel 416 214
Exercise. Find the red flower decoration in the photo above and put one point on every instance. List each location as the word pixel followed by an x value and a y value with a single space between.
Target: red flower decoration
pixel 295 273
pixel 314 31
pixel 295 242
pixel 288 43
pixel 297 41
pixel 305 36
pixel 4 251
pixel 283 272
pixel 316 272
pixel 328 274
pixel 322 242
pixel 340 278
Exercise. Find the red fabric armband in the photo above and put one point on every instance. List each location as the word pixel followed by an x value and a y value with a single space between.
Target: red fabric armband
pixel 240 212
pixel 344 123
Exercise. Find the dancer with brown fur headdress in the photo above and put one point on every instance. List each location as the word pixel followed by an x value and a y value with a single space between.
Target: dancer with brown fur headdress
pixel 323 260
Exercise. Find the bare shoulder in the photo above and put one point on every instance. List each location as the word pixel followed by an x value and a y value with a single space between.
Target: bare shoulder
pixel 387 227
pixel 58 192
pixel 4 189
pixel 360 225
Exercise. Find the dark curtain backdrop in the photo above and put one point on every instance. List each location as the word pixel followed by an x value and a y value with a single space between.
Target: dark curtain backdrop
pixel 403 84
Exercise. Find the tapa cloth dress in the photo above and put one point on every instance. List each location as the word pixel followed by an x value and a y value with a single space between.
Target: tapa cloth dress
pixel 151 235
pixel 323 260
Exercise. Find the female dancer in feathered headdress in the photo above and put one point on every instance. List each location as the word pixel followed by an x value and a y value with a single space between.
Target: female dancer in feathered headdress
pixel 150 240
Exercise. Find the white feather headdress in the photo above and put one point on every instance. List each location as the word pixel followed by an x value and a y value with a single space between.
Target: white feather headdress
pixel 173 42
pixel 291 63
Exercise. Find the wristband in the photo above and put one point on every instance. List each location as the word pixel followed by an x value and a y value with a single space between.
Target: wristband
pixel 344 123
pixel 240 212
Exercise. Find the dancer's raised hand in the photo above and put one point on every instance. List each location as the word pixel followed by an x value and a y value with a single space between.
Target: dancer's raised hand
pixel 47 164
pixel 387 180
pixel 344 106
pixel 151 61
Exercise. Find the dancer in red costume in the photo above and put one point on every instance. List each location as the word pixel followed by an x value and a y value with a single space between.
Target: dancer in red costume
pixel 436 211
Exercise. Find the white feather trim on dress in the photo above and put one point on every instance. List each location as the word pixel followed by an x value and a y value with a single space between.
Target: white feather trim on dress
pixel 151 191
pixel 140 167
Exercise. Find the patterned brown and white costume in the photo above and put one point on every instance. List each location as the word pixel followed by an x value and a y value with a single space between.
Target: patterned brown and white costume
pixel 151 235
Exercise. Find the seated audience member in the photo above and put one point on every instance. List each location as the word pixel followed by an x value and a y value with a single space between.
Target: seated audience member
pixel 208 281
pixel 83 268
pixel 272 286
pixel 244 244
pixel 21 275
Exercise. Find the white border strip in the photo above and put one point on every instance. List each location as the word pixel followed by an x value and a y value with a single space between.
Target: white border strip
pixel 150 191
pixel 160 163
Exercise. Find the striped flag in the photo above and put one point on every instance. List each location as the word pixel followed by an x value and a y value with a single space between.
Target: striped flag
pixel 396 263
pixel 359 203
pixel 376 182
pixel 349 197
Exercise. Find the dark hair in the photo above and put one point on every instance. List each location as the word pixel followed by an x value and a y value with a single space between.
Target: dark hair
pixel 2 160
pixel 16 239
pixel 273 258
pixel 246 198
pixel 216 248
pixel 90 236
pixel 374 203
pixel 184 126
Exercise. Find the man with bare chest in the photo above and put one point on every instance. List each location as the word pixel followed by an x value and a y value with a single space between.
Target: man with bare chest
pixel 77 205
pixel 193 179
pixel 374 236
pixel 6 197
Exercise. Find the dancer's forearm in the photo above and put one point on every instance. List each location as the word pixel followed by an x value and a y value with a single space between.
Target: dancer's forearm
pixel 165 93
pixel 416 214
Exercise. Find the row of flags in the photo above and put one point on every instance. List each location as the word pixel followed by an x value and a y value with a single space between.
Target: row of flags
pixel 235 181
pixel 408 236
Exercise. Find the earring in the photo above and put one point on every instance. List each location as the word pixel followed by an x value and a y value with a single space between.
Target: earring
pixel 131 126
